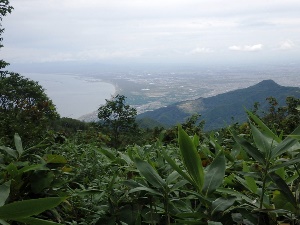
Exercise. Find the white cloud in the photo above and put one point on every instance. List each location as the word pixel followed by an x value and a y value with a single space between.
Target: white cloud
pixel 246 48
pixel 286 45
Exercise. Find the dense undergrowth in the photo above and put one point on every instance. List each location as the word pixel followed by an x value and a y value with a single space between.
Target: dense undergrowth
pixel 244 174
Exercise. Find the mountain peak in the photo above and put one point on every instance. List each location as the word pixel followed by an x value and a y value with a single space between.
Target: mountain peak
pixel 267 83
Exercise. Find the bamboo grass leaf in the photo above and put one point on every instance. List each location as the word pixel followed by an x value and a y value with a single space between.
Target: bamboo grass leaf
pixel 221 204
pixel 177 168
pixel 28 208
pixel 252 151
pixel 263 127
pixel 251 184
pixel 10 151
pixel 262 142
pixel 191 158
pixel 150 174
pixel 285 164
pixel 284 188
pixel 18 144
pixel 4 192
pixel 215 174
pixel 35 221
pixel 150 190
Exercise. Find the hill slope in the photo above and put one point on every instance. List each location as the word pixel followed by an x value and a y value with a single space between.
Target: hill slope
pixel 219 110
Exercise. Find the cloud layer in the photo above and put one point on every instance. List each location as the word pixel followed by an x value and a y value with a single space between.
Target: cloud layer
pixel 151 31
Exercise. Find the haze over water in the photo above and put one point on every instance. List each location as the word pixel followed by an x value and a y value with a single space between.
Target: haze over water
pixel 74 95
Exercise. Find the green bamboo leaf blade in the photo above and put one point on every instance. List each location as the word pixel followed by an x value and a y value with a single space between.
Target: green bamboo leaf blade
pixel 285 164
pixel 214 223
pixel 177 168
pixel 36 221
pixel 238 195
pixel 28 208
pixel 108 153
pixel 18 144
pixel 221 204
pixel 2 222
pixel 285 146
pixel 214 174
pixel 252 151
pixel 251 184
pixel 147 189
pixel 147 171
pixel 4 192
pixel 34 167
pixel 10 151
pixel 262 142
pixel 263 127
pixel 284 188
pixel 191 158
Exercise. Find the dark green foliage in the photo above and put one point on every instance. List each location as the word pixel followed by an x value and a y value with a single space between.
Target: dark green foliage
pixel 5 8
pixel 118 120
pixel 24 108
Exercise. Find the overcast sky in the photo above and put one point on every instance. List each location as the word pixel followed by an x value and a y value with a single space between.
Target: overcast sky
pixel 164 31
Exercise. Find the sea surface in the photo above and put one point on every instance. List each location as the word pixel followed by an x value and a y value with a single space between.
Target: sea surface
pixel 74 95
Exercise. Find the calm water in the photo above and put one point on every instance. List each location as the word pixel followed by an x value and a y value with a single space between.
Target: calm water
pixel 73 95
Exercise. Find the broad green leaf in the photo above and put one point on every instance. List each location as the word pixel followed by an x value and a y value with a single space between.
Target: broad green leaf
pixel 284 188
pixel 4 192
pixel 178 185
pixel 10 151
pixel 214 223
pixel 191 158
pixel 262 142
pixel 251 184
pixel 33 168
pixel 108 153
pixel 263 127
pixel 35 221
pixel 28 208
pixel 221 204
pixel 2 222
pixel 214 174
pixel 196 140
pixel 150 190
pixel 240 196
pixel 252 151
pixel 285 164
pixel 283 147
pixel 12 170
pixel 18 144
pixel 172 177
pixel 150 174
pixel 177 168
pixel 281 202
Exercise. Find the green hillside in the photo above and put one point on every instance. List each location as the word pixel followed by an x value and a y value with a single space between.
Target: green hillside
pixel 223 109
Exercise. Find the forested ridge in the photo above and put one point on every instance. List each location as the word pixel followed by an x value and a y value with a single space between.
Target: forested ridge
pixel 63 171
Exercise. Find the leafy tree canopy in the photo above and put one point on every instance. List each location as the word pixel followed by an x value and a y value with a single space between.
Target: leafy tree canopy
pixel 117 118
pixel 24 107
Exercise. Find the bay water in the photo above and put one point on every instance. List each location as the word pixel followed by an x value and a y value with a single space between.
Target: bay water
pixel 74 95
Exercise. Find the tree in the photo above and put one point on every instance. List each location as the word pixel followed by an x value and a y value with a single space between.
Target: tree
pixel 4 9
pixel 118 119
pixel 24 108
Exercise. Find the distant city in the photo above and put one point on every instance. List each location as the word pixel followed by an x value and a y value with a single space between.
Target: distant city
pixel 149 91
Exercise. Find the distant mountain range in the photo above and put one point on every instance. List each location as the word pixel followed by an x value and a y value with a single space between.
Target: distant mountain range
pixel 223 109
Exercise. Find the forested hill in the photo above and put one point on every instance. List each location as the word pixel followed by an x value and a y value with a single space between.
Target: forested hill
pixel 223 109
